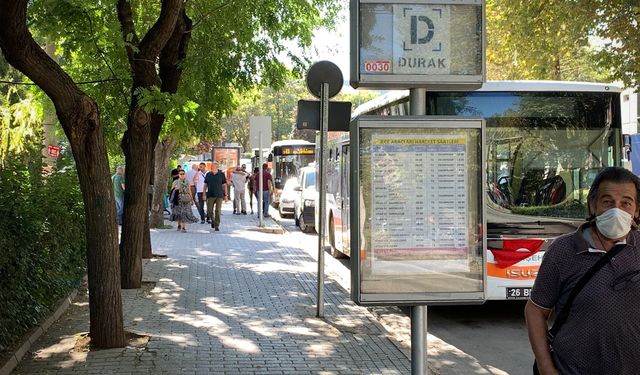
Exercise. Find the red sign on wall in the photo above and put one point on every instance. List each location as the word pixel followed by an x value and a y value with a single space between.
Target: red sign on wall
pixel 53 151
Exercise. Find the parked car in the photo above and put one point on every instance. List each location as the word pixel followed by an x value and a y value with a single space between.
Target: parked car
pixel 288 197
pixel 304 207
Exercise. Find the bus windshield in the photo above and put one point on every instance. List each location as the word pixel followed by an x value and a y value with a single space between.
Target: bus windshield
pixel 543 149
pixel 289 158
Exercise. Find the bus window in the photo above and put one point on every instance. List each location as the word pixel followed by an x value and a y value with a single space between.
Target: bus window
pixel 541 146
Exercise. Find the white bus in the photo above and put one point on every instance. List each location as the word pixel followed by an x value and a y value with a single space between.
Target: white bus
pixel 546 141
pixel 287 158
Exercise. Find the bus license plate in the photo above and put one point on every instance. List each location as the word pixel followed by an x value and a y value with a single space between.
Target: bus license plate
pixel 518 293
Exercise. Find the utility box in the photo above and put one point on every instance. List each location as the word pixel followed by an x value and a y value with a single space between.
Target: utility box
pixel 437 44
pixel 417 217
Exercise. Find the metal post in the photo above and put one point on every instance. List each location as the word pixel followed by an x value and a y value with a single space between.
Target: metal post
pixel 418 340
pixel 418 106
pixel 324 126
pixel 260 187
pixel 418 101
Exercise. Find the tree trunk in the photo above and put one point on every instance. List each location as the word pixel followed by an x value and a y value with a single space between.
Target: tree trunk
pixel 162 154
pixel 156 126
pixel 135 144
pixel 105 300
pixel 80 119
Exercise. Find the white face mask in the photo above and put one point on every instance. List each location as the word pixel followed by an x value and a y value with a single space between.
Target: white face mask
pixel 614 223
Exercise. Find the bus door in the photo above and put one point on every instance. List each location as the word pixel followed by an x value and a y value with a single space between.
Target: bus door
pixel 345 204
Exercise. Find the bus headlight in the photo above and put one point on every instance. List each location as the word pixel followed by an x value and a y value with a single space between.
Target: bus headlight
pixel 309 203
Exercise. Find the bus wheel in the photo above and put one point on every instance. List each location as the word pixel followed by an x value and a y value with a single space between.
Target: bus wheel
pixel 332 241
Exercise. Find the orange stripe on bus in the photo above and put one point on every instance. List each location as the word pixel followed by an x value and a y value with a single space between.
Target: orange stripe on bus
pixel 513 272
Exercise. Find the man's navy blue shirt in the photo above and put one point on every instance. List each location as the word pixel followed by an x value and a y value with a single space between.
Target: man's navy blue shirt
pixel 214 184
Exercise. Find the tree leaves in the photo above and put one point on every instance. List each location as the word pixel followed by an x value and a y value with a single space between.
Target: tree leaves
pixel 590 40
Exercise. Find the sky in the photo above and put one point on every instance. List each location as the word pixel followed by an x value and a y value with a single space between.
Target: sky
pixel 334 45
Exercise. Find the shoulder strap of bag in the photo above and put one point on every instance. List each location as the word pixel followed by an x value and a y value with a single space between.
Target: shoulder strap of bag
pixel 564 314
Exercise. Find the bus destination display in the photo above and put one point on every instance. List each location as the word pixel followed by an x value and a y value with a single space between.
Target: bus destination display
pixel 419 199
pixel 298 151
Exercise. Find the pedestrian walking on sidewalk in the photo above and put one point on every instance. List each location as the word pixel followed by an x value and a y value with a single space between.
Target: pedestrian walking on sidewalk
pixel 267 189
pixel 238 180
pixel 183 213
pixel 215 185
pixel 200 194
pixel 175 174
pixel 252 192
pixel 118 189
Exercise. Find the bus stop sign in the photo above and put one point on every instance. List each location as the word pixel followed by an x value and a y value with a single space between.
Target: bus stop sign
pixel 324 72
pixel 409 44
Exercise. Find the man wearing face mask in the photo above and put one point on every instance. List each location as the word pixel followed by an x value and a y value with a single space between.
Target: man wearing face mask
pixel 601 333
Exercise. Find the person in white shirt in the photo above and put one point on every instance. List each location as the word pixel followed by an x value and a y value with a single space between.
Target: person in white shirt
pixel 199 185
pixel 239 180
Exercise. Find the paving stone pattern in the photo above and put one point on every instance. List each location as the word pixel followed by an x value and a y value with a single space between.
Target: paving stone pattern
pixel 236 301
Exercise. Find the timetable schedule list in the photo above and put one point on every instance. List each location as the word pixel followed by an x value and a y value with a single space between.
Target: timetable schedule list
pixel 419 197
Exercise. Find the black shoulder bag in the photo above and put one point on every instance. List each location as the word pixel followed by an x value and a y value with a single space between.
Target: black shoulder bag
pixel 564 314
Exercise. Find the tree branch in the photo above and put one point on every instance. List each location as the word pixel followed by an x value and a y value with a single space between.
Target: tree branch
pixel 77 83
pixel 155 39
pixel 174 53
pixel 129 36
pixel 21 51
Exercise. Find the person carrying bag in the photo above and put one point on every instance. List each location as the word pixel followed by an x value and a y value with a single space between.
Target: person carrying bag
pixel 590 279
pixel 564 314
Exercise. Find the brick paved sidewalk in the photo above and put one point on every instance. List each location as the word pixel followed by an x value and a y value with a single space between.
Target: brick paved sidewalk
pixel 236 301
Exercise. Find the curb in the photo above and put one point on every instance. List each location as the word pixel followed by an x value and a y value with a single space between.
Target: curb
pixel 275 230
pixel 36 332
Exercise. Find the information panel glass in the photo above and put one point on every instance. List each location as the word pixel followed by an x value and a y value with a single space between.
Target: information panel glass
pixel 420 211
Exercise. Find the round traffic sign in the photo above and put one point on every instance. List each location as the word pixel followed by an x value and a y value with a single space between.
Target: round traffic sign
pixel 324 72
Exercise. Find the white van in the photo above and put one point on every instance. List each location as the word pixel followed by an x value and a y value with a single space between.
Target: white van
pixel 304 207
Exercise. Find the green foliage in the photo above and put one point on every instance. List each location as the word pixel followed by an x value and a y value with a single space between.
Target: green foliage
pixel 281 105
pixel 234 46
pixel 42 237
pixel 21 108
pixel 588 40
pixel 19 120
pixel 539 40
pixel 617 24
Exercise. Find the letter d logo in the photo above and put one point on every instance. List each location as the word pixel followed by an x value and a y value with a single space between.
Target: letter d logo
pixel 414 29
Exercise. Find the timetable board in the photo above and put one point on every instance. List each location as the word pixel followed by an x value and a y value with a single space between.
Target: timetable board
pixel 418 217
pixel 419 198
